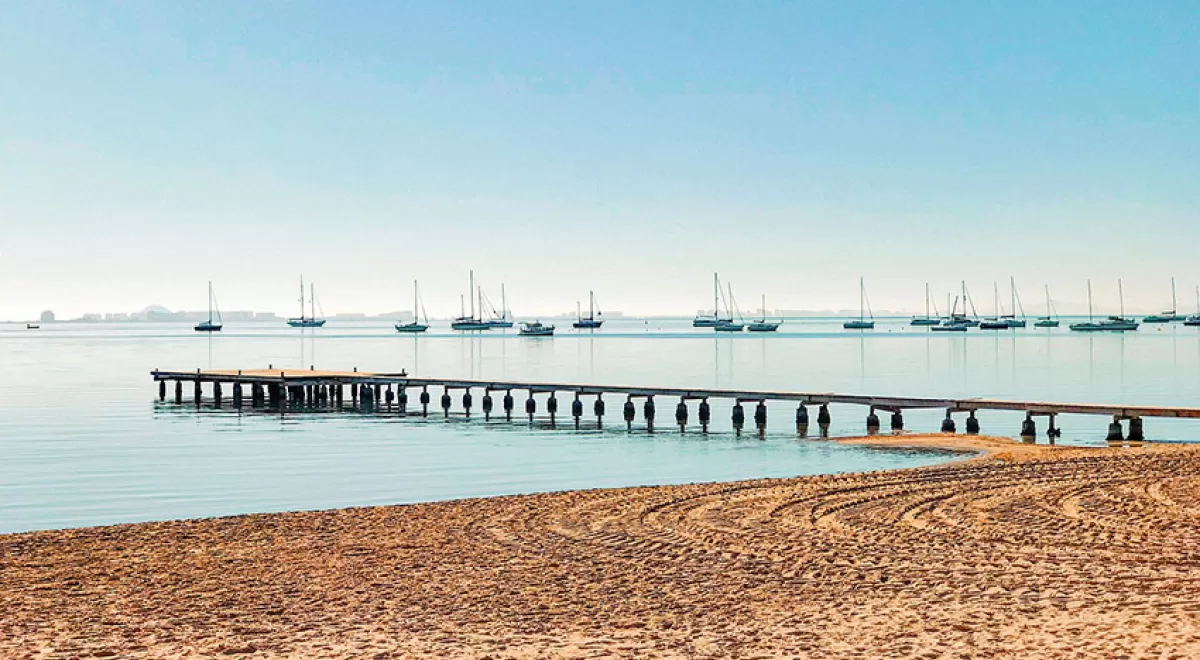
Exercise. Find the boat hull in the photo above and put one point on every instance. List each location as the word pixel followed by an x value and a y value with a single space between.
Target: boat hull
pixel 587 324
pixel 993 325
pixel 762 327
pixel 499 324
pixel 1046 323
pixel 729 327
pixel 411 327
pixel 1104 327
pixel 1192 320
pixel 958 327
pixel 306 323
pixel 859 325
pixel 925 322
pixel 208 327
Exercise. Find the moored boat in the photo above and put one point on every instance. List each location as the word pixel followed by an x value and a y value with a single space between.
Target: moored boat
pixel 210 325
pixel 470 322
pixel 536 329
pixel 304 320
pixel 714 319
pixel 416 325
pixel 1194 319
pixel 862 322
pixel 927 320
pixel 1049 320
pixel 1110 324
pixel 1166 316
pixel 592 320
pixel 762 324
pixel 728 324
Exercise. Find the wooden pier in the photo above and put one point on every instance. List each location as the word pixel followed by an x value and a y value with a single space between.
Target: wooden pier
pixel 284 390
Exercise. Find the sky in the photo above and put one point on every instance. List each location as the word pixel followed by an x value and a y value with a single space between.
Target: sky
pixel 631 148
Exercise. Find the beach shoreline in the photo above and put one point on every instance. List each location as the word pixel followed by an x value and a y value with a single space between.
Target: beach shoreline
pixel 1011 550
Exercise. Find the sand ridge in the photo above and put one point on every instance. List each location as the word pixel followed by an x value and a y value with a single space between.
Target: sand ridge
pixel 1023 552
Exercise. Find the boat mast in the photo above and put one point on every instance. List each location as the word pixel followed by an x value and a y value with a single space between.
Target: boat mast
pixel 716 295
pixel 764 308
pixel 996 298
pixel 1090 318
pixel 927 300
pixel 312 299
pixel 503 304
pixel 1121 297
pixel 1173 296
pixel 414 301
pixel 578 312
pixel 592 305
pixel 301 297
pixel 862 297
pixel 210 302
pixel 1047 300
pixel 1012 291
pixel 471 292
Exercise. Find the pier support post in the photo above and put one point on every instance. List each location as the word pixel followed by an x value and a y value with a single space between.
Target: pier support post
pixel 376 395
pixel 681 414
pixel 487 405
pixel 217 394
pixel 445 402
pixel 467 400
pixel 598 410
pixel 552 408
pixel 972 424
pixel 897 422
pixel 738 416
pixel 704 414
pixel 338 395
pixel 948 424
pixel 1028 430
pixel 424 399
pixel 354 396
pixel 802 420
pixel 577 409
pixel 530 406
pixel 872 422
pixel 179 391
pixel 198 393
pixel 237 395
pixel 310 395
pixel 1115 433
pixel 402 401
pixel 760 418
pixel 648 411
pixel 162 390
pixel 1053 432
pixel 823 419
pixel 1136 434
pixel 629 413
pixel 508 405
pixel 273 393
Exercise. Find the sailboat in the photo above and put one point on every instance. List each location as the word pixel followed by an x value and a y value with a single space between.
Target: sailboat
pixel 714 319
pixel 762 324
pixel 472 322
pixel 1047 321
pixel 504 318
pixel 1194 319
pixel 728 324
pixel 210 325
pixel 307 321
pixel 996 322
pixel 863 309
pixel 1168 315
pixel 1110 324
pixel 952 322
pixel 1011 318
pixel 415 325
pixel 592 320
pixel 927 319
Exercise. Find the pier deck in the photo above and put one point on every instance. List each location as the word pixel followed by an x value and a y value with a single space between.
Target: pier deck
pixel 324 388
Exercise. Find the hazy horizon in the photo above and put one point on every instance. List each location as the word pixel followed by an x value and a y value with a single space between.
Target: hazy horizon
pixel 629 149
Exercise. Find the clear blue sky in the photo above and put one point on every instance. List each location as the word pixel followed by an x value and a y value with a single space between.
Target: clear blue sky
pixel 630 148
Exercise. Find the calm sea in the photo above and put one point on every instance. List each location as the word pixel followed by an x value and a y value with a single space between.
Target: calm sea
pixel 83 440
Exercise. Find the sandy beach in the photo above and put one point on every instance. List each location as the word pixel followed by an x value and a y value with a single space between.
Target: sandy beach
pixel 1029 552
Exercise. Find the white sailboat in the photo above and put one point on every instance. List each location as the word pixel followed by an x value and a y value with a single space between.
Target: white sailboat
pixel 715 319
pixel 472 322
pixel 416 325
pixel 1049 320
pixel 728 324
pixel 862 323
pixel 593 320
pixel 926 320
pixel 211 325
pixel 1168 315
pixel 762 324
pixel 305 321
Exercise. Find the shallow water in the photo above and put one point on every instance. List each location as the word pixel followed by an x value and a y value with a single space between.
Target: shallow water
pixel 83 440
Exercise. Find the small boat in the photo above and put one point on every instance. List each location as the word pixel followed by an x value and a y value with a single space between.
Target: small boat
pixel 1167 316
pixel 210 325
pixel 415 325
pixel 32 326
pixel 536 329
pixel 728 324
pixel 999 321
pixel 304 321
pixel 962 319
pixel 862 323
pixel 592 321
pixel 503 318
pixel 927 320
pixel 952 322
pixel 1049 320
pixel 471 322
pixel 1011 319
pixel 762 324
pixel 1194 319
pixel 714 319
pixel 1110 324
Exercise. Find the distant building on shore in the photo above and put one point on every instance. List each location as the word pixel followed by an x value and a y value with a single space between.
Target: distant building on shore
pixel 47 316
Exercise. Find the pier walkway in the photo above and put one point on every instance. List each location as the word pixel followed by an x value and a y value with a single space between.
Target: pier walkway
pixel 373 392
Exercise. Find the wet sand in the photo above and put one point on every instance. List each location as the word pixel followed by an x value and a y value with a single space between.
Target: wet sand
pixel 1022 552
